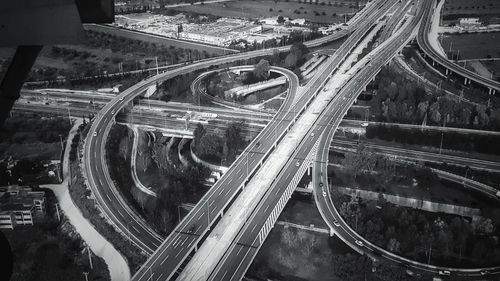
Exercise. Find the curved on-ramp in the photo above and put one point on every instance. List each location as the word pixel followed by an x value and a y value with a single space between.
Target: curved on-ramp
pixel 338 226
pixel 426 46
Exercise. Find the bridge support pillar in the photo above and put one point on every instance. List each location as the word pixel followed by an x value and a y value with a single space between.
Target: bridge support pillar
pixel 433 63
pixel 447 71
pixel 309 170
pixel 465 81
pixel 332 233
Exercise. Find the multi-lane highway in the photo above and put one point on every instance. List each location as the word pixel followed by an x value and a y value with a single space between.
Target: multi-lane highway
pixel 113 205
pixel 349 236
pixel 425 45
pixel 244 248
pixel 340 228
pixel 111 202
pixel 185 238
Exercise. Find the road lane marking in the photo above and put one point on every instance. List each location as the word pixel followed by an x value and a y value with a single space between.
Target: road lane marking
pixel 164 260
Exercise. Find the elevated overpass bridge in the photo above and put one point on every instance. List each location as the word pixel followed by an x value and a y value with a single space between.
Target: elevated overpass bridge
pixel 449 67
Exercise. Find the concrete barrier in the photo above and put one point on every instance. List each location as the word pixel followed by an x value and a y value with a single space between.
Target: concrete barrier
pixel 425 205
pixel 182 158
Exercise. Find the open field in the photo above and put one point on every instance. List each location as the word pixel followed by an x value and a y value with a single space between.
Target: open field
pixel 467 7
pixel 473 46
pixel 254 9
pixel 155 39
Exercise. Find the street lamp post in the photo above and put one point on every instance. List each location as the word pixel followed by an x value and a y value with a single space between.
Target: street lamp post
pixel 69 116
pixel 60 138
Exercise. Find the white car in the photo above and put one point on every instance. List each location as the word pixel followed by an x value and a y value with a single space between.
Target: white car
pixel 444 272
pixel 324 194
pixel 312 134
pixel 297 164
pixel 95 134
pixel 121 98
pixel 112 112
pixel 336 223
pixel 359 243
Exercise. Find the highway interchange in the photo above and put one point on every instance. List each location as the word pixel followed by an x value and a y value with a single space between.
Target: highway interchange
pixel 113 205
pixel 169 254
pixel 179 245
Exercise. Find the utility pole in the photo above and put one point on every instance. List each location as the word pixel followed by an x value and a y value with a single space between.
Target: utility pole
pixel 430 252
pixel 69 116
pixel 208 213
pixel 90 257
pixel 57 212
pixel 442 133
pixel 157 71
pixel 179 212
pixel 60 138
pixel 248 153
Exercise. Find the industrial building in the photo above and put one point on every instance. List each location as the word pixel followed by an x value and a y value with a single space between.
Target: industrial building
pixel 20 205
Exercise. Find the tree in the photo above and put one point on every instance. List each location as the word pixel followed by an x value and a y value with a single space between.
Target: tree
pixel 261 70
pixel 198 133
pixel 393 245
pixel 484 225
pixel 280 19
pixel 352 163
pixel 159 153
pixel 210 146
pixel 233 140
pixel 387 168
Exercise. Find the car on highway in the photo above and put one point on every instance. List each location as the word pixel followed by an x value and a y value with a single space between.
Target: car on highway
pixel 312 134
pixel 359 243
pixel 324 193
pixel 320 184
pixel 444 272
pixel 336 223
pixel 95 134
pixel 113 111
pixel 364 124
pixel 121 98
pixel 298 163
pixel 257 144
pixel 484 272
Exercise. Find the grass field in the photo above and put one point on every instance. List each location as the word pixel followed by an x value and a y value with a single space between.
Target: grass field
pixel 475 46
pixel 156 39
pixel 476 7
pixel 255 9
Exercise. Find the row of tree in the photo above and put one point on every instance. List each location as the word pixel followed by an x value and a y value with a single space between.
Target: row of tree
pixel 399 99
pixel 487 144
pixel 444 240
